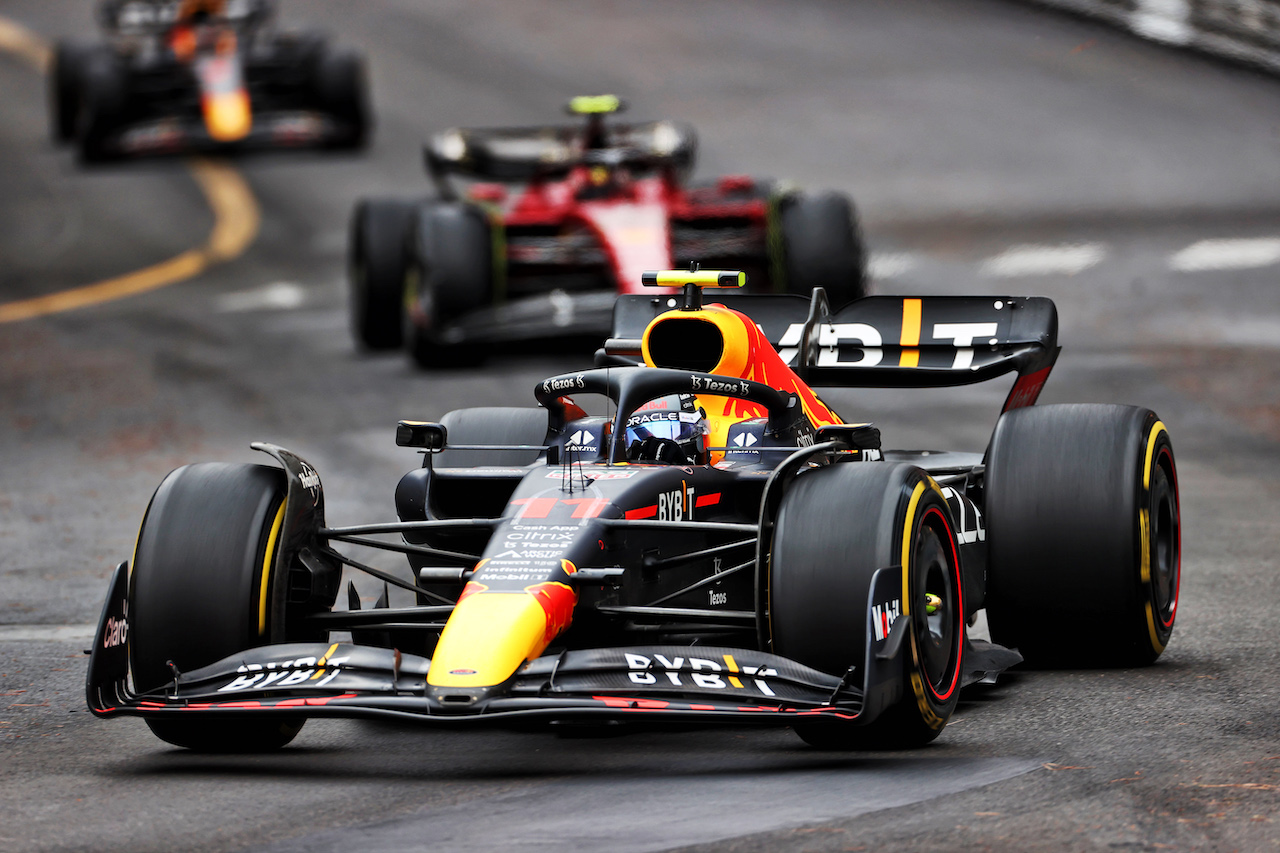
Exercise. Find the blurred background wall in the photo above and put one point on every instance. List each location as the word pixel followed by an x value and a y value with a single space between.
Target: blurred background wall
pixel 1243 30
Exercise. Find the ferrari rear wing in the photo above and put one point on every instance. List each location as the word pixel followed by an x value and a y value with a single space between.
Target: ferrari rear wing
pixel 521 154
pixel 885 341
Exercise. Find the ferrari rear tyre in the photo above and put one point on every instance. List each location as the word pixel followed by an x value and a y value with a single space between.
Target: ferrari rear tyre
pixel 450 274
pixel 822 246
pixel 66 73
pixel 376 270
pixel 835 528
pixel 1083 535
pixel 201 588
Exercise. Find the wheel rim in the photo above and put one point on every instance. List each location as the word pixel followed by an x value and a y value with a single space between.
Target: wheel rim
pixel 1165 540
pixel 938 634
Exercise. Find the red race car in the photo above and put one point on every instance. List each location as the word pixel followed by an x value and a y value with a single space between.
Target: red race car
pixel 534 231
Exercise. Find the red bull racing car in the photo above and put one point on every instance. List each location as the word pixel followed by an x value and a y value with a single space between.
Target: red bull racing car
pixel 533 232
pixel 720 547
pixel 178 76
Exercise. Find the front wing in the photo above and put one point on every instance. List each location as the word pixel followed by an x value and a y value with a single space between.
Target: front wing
pixel 275 129
pixel 653 684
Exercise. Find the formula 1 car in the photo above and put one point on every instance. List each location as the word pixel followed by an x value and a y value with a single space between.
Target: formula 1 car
pixel 177 76
pixel 721 548
pixel 535 230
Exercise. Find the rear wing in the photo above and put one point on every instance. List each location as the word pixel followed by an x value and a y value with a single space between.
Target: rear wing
pixel 886 341
pixel 522 154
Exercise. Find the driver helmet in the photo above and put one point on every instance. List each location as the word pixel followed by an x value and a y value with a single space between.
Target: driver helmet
pixel 675 419
pixel 197 11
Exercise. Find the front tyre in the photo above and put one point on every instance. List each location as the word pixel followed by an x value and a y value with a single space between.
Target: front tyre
pixel 104 96
pixel 343 92
pixel 450 274
pixel 835 528
pixel 66 72
pixel 376 271
pixel 201 588
pixel 1083 535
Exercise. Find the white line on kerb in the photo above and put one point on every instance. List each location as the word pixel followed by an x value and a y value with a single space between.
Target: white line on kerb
pixel 1067 259
pixel 1238 254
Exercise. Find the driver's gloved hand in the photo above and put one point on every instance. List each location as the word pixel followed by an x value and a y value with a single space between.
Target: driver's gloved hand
pixel 654 449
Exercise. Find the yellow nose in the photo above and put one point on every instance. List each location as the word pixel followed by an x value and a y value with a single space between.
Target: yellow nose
pixel 227 115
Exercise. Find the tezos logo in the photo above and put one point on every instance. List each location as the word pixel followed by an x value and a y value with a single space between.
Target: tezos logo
pixel 714 385
pixel 579 381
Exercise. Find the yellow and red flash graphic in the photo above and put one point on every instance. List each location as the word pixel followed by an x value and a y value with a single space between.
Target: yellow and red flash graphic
pixel 491 633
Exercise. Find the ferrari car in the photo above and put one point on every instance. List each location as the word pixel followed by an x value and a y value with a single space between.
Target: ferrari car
pixel 718 547
pixel 533 231
pixel 177 76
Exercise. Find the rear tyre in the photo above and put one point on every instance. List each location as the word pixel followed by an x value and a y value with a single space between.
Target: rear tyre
pixel 835 528
pixel 343 92
pixel 449 275
pixel 202 588
pixel 376 270
pixel 66 73
pixel 822 246
pixel 102 105
pixel 1083 535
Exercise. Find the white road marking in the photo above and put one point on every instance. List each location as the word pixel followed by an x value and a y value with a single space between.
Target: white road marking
pixel 1067 259
pixel 1238 254
pixel 280 296
pixel 883 265
pixel 45 633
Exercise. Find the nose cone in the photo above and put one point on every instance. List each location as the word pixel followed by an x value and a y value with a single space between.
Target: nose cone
pixel 490 634
pixel 227 115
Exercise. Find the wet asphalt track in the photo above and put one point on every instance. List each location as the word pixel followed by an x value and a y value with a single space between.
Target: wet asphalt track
pixel 964 128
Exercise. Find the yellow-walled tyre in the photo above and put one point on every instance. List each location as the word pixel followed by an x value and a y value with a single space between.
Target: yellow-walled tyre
pixel 1083 535
pixel 835 527
pixel 200 589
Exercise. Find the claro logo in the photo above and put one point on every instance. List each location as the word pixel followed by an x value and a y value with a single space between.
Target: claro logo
pixel 117 633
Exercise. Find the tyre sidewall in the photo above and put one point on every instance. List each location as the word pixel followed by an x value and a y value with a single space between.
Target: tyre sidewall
pixel 196 583
pixel 1069 507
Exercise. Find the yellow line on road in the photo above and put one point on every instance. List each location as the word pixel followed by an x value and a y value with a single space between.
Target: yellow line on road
pixel 235 214
pixel 26 45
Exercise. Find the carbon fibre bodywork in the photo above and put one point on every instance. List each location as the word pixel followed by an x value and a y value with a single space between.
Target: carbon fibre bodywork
pixel 592 584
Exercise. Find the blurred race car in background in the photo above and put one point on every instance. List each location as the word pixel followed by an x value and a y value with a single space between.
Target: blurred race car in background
pixel 720 547
pixel 178 76
pixel 534 230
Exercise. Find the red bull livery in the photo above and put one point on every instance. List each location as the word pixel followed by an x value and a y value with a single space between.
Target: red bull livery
pixel 720 547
